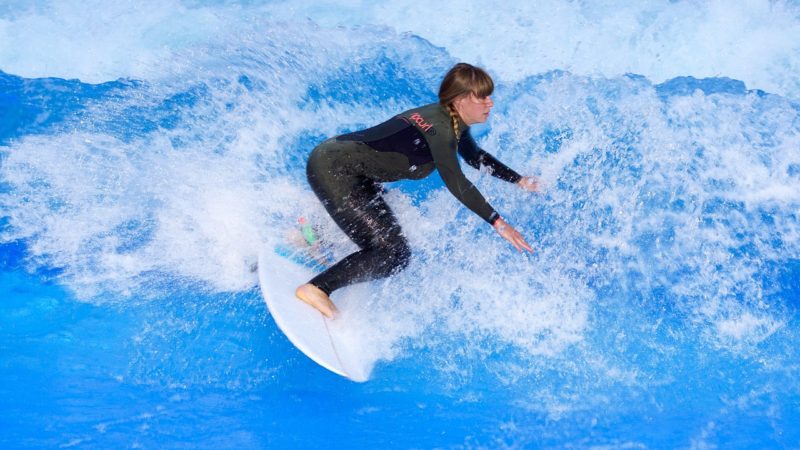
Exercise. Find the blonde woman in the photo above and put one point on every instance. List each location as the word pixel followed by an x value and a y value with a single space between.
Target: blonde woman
pixel 344 173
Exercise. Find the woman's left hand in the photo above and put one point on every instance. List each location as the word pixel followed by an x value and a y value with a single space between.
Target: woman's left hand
pixel 511 235
pixel 530 184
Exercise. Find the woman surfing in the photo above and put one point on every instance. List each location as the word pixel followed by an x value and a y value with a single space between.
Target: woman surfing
pixel 345 172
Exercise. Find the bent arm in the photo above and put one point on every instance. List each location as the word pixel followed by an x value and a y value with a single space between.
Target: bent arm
pixel 476 156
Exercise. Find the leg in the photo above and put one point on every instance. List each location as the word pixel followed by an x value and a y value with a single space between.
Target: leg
pixel 369 222
pixel 355 204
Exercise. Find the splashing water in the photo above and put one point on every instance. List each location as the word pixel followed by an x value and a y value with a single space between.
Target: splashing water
pixel 659 309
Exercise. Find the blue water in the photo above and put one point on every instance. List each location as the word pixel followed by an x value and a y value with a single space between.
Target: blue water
pixel 148 151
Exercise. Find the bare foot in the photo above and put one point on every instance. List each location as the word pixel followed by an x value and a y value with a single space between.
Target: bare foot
pixel 318 299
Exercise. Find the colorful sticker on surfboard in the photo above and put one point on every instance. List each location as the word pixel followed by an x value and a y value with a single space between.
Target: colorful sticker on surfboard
pixel 304 246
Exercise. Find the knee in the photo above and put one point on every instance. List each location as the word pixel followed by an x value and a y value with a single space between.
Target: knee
pixel 319 161
pixel 394 251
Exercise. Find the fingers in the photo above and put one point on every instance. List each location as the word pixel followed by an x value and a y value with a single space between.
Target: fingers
pixel 530 184
pixel 515 238
pixel 511 235
pixel 519 242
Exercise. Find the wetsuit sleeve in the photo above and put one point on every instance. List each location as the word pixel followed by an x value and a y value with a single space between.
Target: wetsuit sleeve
pixel 446 161
pixel 476 156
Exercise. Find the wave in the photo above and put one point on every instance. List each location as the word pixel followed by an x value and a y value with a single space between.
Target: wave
pixel 667 240
pixel 683 190
pixel 755 42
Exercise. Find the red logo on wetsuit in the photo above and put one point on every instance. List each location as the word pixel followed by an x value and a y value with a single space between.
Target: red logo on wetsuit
pixel 421 123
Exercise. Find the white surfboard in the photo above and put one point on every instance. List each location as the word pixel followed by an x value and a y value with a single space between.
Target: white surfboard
pixel 318 337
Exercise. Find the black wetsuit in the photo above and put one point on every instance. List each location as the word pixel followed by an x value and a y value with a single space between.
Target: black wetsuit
pixel 344 172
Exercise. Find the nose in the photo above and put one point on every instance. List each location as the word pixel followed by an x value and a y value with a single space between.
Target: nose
pixel 489 102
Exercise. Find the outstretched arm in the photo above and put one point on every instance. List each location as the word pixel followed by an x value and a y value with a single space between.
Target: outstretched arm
pixel 465 191
pixel 462 188
pixel 477 157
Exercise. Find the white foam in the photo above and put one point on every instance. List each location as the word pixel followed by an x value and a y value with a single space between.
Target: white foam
pixel 756 41
pixel 195 199
pixel 99 41
pixel 747 327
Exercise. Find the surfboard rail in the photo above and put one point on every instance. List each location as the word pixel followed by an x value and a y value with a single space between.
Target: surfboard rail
pixel 305 327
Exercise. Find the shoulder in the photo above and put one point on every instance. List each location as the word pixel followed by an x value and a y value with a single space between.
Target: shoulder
pixel 432 119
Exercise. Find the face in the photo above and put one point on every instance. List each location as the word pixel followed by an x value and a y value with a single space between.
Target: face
pixel 473 109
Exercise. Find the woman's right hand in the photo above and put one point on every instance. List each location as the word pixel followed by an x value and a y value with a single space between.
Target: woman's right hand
pixel 511 235
pixel 530 184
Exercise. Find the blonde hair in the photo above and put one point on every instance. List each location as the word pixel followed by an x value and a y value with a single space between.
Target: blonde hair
pixel 463 79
